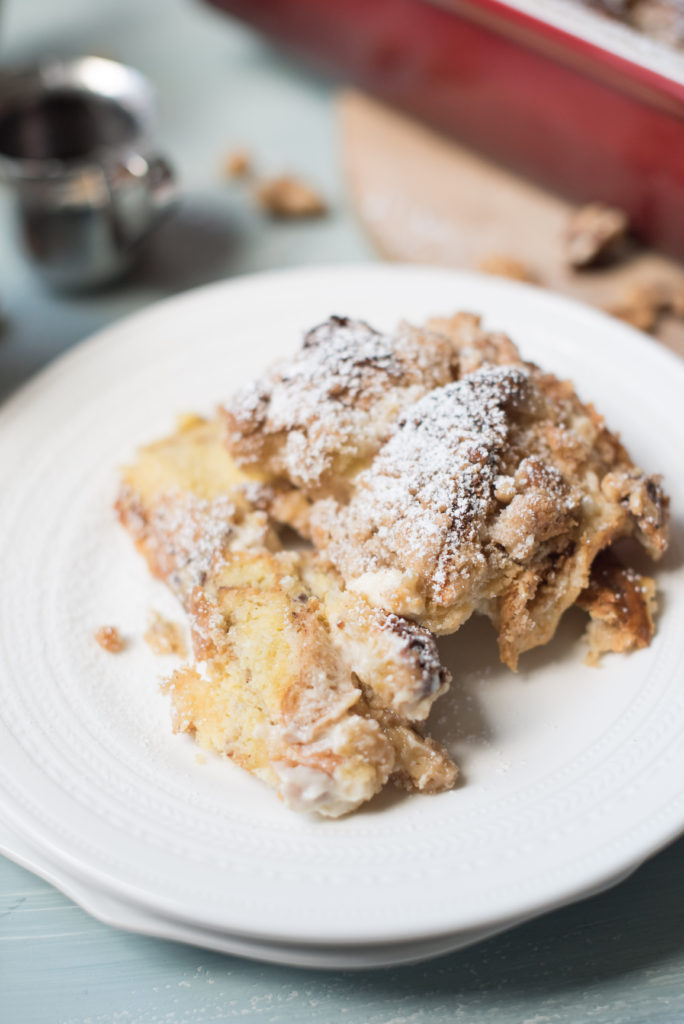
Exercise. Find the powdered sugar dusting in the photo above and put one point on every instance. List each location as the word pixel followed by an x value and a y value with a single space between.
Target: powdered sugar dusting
pixel 330 369
pixel 194 533
pixel 432 485
pixel 336 398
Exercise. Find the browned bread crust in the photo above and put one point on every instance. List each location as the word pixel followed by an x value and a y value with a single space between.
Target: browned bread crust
pixel 491 492
pixel 299 682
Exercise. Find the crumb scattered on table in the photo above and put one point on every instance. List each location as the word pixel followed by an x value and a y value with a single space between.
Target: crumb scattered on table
pixel 663 293
pixel 237 164
pixel 287 196
pixel 641 316
pixel 164 636
pixel 507 266
pixel 643 302
pixel 595 234
pixel 109 638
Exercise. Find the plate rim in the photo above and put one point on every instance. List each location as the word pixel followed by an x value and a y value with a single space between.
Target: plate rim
pixel 100 338
pixel 116 913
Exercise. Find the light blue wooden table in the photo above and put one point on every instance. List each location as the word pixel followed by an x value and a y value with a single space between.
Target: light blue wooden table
pixel 615 959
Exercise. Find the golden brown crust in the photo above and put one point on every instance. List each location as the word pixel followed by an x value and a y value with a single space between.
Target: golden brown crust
pixel 622 604
pixel 473 347
pixel 280 693
pixel 421 763
pixel 184 502
pixel 283 677
pixel 437 474
pixel 318 416
pixel 493 492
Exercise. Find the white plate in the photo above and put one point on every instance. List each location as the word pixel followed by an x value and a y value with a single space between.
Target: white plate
pixel 120 914
pixel 572 776
pixel 130 917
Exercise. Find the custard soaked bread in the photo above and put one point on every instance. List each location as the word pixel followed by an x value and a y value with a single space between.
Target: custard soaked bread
pixel 302 683
pixel 319 417
pixel 280 694
pixel 493 490
pixel 183 501
pixel 621 604
pixel 437 474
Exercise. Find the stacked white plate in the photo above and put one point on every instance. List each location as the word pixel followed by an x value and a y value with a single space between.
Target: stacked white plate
pixel 571 775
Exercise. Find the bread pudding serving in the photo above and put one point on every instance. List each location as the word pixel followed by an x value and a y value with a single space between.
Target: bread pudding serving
pixel 429 474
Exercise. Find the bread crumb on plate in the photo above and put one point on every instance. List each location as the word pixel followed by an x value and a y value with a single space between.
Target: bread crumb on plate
pixel 164 636
pixel 109 638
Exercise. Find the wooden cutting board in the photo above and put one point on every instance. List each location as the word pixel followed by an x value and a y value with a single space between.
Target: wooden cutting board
pixel 423 198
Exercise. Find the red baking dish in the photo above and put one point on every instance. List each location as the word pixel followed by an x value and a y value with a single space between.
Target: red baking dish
pixel 585 106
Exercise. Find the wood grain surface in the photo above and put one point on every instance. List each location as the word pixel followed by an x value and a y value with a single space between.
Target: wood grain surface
pixel 423 198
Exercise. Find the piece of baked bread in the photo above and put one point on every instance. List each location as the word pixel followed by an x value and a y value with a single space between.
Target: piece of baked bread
pixel 621 603
pixel 321 414
pixel 280 693
pixel 493 492
pixel 295 679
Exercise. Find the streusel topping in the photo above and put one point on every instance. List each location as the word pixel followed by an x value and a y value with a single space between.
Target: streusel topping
pixel 431 488
pixel 335 400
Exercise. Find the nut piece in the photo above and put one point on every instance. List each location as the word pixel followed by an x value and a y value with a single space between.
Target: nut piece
pixel 164 636
pixel 109 638
pixel 642 315
pixel 642 302
pixel 289 197
pixel 621 604
pixel 507 266
pixel 237 164
pixel 594 235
